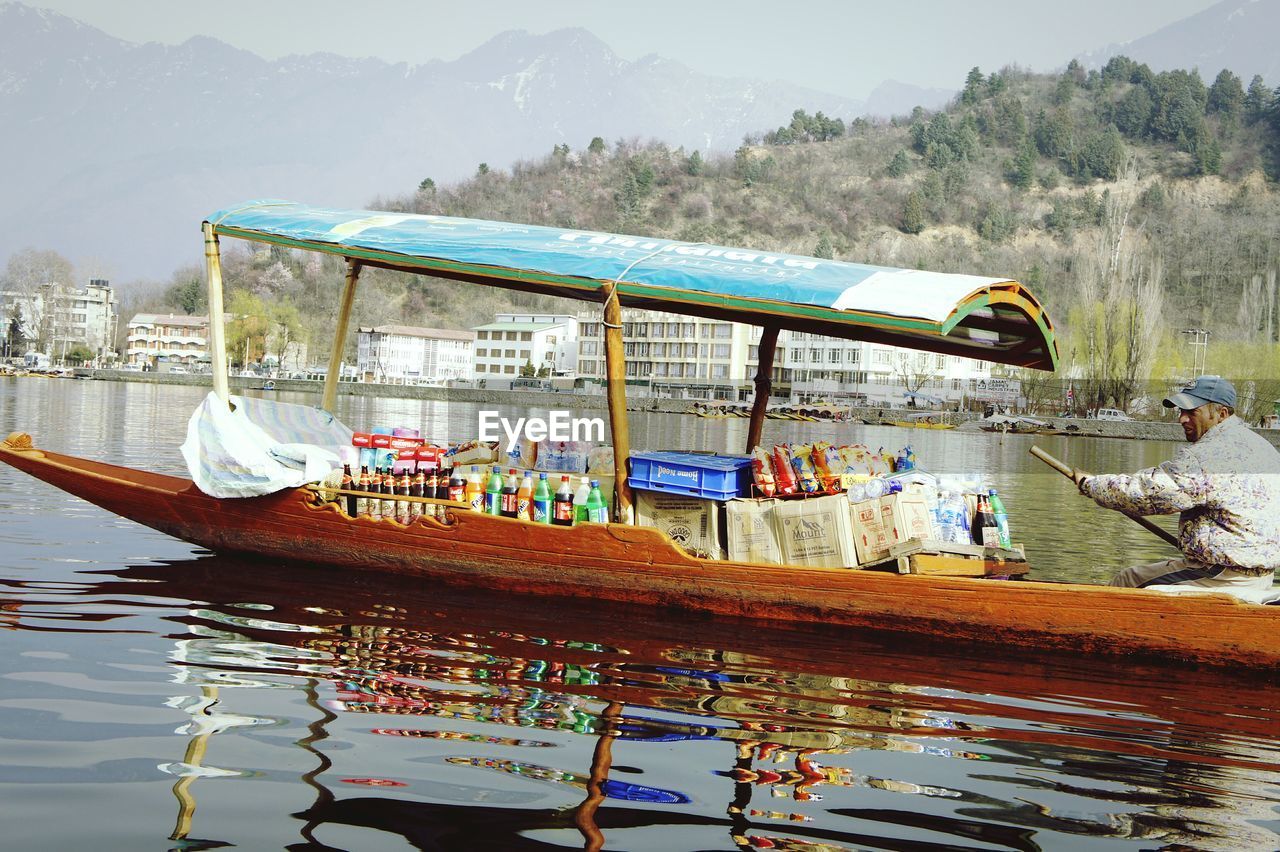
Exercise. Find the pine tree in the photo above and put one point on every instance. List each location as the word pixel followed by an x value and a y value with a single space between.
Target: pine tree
pixel 913 214
pixel 899 165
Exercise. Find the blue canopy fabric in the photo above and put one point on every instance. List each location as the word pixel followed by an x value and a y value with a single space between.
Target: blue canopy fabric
pixel 994 319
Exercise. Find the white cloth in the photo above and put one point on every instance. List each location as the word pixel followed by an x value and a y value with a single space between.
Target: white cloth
pixel 256 447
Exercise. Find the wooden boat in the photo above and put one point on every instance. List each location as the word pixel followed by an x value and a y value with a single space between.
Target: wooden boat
pixel 923 421
pixel 992 319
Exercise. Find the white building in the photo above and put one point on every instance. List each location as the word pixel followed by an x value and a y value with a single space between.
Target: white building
pixel 406 353
pixel 172 338
pixel 672 349
pixel 58 318
pixel 547 342
pixel 816 367
pixel 712 358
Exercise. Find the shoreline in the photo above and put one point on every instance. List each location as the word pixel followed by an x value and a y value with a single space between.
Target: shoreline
pixel 1142 430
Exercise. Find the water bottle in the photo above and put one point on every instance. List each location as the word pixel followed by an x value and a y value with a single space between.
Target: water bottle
pixel 1002 518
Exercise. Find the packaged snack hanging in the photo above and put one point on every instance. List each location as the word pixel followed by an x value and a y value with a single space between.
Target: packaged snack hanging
pixel 762 472
pixel 783 476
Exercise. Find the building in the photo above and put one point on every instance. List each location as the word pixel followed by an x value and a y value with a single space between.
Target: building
pixel 56 319
pixel 673 349
pixel 815 367
pixel 695 357
pixel 169 338
pixel 512 342
pixel 402 353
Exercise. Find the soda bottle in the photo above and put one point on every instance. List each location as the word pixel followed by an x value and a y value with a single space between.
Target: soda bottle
pixel 524 498
pixel 457 485
pixel 1002 518
pixel 363 485
pixel 348 484
pixel 597 513
pixel 475 491
pixel 985 532
pixel 493 492
pixel 429 486
pixel 542 501
pixel 442 482
pixel 580 501
pixel 562 506
pixel 509 491
pixel 417 488
pixel 375 490
pixel 402 506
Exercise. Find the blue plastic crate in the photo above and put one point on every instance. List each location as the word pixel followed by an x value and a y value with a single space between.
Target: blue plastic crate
pixel 709 477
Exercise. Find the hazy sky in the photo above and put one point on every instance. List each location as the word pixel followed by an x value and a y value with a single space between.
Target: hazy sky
pixel 845 48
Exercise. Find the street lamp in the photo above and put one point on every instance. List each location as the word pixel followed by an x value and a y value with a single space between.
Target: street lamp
pixel 1199 337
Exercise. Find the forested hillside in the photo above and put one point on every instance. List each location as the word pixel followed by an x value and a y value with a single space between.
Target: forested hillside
pixel 1135 205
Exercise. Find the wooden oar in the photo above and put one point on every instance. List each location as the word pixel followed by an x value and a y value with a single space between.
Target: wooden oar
pixel 1070 473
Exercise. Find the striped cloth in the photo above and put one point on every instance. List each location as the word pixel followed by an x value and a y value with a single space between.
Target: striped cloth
pixel 257 446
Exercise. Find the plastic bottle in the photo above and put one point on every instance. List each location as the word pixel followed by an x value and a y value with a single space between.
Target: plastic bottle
pixel 597 512
pixel 475 491
pixel 562 506
pixel 1002 518
pixel 493 492
pixel 906 460
pixel 580 501
pixel 542 501
pixel 509 490
pixel 953 518
pixel 524 498
pixel 457 485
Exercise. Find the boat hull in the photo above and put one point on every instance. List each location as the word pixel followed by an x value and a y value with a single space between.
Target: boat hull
pixel 641 565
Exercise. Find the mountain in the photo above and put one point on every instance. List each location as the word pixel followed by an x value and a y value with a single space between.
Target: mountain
pixel 892 98
pixel 1239 35
pixel 114 151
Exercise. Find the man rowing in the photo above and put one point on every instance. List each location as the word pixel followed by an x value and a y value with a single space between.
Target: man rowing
pixel 1225 488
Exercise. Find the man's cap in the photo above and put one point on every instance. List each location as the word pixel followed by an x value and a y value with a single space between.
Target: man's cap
pixel 1201 391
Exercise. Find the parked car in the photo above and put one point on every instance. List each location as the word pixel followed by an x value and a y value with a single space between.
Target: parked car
pixel 1111 414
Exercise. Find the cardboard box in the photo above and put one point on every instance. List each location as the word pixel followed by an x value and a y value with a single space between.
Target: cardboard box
pixel 691 522
pixel 815 532
pixel 873 529
pixel 753 535
pixel 911 517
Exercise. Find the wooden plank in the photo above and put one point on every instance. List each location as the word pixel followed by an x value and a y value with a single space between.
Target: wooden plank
pixel 960 566
pixel 976 551
pixel 217 327
pixel 330 395
pixel 764 385
pixel 616 372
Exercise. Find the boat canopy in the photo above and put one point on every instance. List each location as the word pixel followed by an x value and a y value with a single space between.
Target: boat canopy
pixel 993 319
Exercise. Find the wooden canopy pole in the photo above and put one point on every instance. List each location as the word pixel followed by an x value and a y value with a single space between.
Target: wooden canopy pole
pixel 217 325
pixel 330 396
pixel 616 374
pixel 764 386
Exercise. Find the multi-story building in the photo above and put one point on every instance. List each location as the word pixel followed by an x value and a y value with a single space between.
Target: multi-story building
pixel 171 338
pixel 513 342
pixel 816 366
pixel 703 357
pixel 673 349
pixel 406 353
pixel 57 318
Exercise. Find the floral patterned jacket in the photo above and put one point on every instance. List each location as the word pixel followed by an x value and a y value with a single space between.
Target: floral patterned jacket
pixel 1226 489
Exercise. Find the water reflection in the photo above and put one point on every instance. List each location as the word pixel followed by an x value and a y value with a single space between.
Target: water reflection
pixel 457 721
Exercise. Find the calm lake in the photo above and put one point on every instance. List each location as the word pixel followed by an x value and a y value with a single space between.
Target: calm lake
pixel 155 696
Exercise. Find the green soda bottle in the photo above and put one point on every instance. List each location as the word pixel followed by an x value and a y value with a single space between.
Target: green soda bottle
pixel 493 493
pixel 596 511
pixel 1002 518
pixel 542 501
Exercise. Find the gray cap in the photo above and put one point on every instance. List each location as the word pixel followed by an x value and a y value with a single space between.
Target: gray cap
pixel 1201 391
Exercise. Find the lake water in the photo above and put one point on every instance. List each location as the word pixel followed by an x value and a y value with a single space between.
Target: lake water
pixel 155 696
